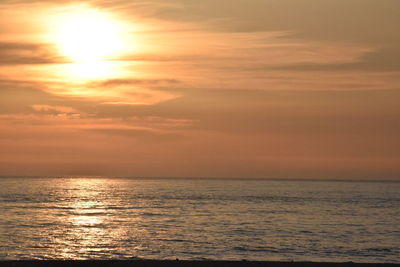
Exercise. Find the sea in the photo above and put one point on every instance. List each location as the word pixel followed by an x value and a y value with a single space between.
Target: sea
pixel 199 219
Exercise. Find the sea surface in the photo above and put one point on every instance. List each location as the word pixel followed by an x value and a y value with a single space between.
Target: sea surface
pixel 115 218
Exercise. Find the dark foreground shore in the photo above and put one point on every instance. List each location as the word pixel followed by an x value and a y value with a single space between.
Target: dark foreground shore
pixel 161 263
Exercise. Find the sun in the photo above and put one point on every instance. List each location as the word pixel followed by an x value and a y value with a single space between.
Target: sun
pixel 89 35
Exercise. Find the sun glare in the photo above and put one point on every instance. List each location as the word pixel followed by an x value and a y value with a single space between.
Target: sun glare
pixel 89 35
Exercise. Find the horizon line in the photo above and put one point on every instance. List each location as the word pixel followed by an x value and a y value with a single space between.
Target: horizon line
pixel 397 180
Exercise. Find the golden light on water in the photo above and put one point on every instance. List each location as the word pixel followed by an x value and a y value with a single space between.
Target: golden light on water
pixel 89 35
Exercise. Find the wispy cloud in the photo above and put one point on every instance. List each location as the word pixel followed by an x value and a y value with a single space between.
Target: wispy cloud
pixel 227 87
pixel 27 54
pixel 118 82
pixel 55 109
pixel 386 59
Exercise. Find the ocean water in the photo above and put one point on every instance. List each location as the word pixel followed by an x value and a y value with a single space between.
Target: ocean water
pixel 100 218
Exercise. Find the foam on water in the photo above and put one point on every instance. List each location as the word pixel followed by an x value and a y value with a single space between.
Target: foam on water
pixel 100 218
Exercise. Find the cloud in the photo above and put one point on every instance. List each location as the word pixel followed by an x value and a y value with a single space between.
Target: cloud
pixel 38 122
pixel 142 134
pixel 27 54
pixel 385 59
pixel 288 113
pixel 119 82
pixel 26 97
pixel 18 97
pixel 223 88
pixel 339 20
pixel 135 91
pixel 55 109
pixel 216 132
pixel 114 91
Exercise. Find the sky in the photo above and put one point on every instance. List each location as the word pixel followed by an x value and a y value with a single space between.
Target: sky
pixel 188 88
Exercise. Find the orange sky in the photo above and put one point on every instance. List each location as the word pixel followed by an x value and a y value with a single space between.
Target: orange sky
pixel 185 88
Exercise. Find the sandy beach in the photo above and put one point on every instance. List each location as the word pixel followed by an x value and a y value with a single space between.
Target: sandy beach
pixel 176 263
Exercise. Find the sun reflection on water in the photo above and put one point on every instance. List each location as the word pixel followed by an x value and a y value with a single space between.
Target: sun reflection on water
pixel 90 218
pixel 87 233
